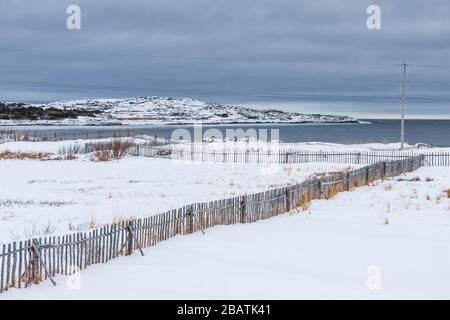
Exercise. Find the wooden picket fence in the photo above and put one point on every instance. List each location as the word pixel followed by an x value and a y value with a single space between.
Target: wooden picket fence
pixel 236 155
pixel 31 261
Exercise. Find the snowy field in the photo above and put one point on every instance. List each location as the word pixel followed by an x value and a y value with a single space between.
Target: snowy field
pixel 56 197
pixel 389 241
pixel 211 145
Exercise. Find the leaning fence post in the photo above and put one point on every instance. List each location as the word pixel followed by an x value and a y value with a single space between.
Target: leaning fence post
pixel 36 260
pixel 242 208
pixel 34 264
pixel 132 239
pixel 129 239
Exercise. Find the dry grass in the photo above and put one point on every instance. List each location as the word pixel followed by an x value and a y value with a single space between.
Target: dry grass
pixel 388 187
pixel 41 156
pixel 118 220
pixel 415 179
pixel 438 199
pixel 9 155
pixel 448 193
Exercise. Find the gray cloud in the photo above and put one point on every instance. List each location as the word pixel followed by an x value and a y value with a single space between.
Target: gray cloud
pixel 288 47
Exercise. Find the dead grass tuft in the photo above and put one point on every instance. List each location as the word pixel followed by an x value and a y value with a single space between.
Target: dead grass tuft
pixel 388 187
pixel 438 199
pixel 447 192
pixel 9 155
pixel 415 179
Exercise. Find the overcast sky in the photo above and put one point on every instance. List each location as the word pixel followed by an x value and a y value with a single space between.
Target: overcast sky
pixel 295 55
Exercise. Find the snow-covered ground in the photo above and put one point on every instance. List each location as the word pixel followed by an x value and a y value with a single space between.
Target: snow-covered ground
pixel 53 146
pixel 78 194
pixel 388 241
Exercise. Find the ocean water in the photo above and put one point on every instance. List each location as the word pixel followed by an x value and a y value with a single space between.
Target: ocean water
pixel 434 132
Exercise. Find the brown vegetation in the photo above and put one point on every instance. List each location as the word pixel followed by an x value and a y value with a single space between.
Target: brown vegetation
pixel 9 155
pixel 112 150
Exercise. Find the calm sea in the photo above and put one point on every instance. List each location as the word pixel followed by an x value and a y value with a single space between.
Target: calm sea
pixel 435 132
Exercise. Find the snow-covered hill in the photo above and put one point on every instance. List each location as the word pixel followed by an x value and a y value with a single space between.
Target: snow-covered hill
pixel 163 110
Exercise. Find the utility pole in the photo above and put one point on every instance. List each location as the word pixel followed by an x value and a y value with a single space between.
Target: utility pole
pixel 402 134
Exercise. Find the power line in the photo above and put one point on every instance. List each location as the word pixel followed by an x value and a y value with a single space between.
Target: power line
pixel 323 97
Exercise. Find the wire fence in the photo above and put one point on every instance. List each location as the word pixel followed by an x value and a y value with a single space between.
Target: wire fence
pixel 28 262
pixel 241 155
pixel 83 134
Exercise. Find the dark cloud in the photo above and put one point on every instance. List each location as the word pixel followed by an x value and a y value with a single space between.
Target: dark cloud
pixel 285 47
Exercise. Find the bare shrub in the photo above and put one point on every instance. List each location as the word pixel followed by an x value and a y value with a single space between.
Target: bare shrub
pixel 120 147
pixel 69 152
pixel 103 155
pixel 44 230
pixel 112 150
pixel 448 193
